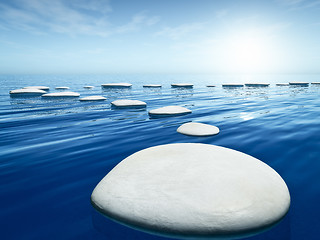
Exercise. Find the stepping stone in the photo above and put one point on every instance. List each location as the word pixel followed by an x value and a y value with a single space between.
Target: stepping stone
pixel 211 85
pixel 169 111
pixel 93 98
pixel 62 94
pixel 38 87
pixel 282 84
pixel 185 85
pixel 124 103
pixel 62 88
pixel 315 83
pixel 116 85
pixel 88 87
pixel 193 190
pixel 299 83
pixel 27 92
pixel 257 84
pixel 152 86
pixel 198 129
pixel 232 85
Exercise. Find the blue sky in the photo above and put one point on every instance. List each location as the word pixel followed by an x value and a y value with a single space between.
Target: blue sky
pixel 159 36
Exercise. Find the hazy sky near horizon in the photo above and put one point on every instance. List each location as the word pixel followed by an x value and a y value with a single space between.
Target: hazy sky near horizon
pixel 159 36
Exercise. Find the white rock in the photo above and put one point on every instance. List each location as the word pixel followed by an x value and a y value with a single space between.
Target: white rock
pixel 62 94
pixel 282 84
pixel 257 84
pixel 169 111
pixel 188 85
pixel 116 85
pixel 27 91
pixel 193 190
pixel 93 98
pixel 232 85
pixel 128 103
pixel 198 129
pixel 38 87
pixel 299 83
pixel 62 88
pixel 88 87
pixel 152 86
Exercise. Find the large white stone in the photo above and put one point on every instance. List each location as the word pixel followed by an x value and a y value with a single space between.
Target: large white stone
pixel 62 94
pixel 198 129
pixel 152 86
pixel 299 83
pixel 193 190
pixel 93 98
pixel 186 85
pixel 231 85
pixel 169 110
pixel 117 85
pixel 62 88
pixel 38 87
pixel 27 91
pixel 128 103
pixel 257 84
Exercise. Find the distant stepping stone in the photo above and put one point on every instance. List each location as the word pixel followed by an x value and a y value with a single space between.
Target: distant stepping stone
pixel 282 84
pixel 117 85
pixel 152 86
pixel 88 87
pixel 27 92
pixel 299 83
pixel 93 98
pixel 232 85
pixel 315 83
pixel 198 129
pixel 62 88
pixel 193 190
pixel 62 94
pixel 38 87
pixel 182 85
pixel 124 103
pixel 211 85
pixel 169 111
pixel 257 84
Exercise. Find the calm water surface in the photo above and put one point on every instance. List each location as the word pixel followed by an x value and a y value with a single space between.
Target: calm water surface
pixel 54 152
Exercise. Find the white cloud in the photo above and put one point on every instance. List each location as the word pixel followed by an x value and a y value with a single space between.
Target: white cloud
pixel 178 32
pixel 221 13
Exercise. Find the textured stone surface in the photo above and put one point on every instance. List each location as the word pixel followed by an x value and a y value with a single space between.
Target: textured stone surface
pixel 152 85
pixel 128 103
pixel 93 98
pixel 169 111
pixel 62 94
pixel 27 91
pixel 193 190
pixel 117 85
pixel 198 129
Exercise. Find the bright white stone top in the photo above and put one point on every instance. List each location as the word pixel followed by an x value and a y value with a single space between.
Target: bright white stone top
pixel 62 94
pixel 93 98
pixel 39 87
pixel 257 84
pixel 28 91
pixel 62 88
pixel 181 85
pixel 282 84
pixel 88 87
pixel 127 85
pixel 170 110
pixel 128 103
pixel 198 129
pixel 298 83
pixel 193 190
pixel 152 85
pixel 232 85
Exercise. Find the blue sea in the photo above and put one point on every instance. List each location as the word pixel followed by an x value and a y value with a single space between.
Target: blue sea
pixel 54 152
